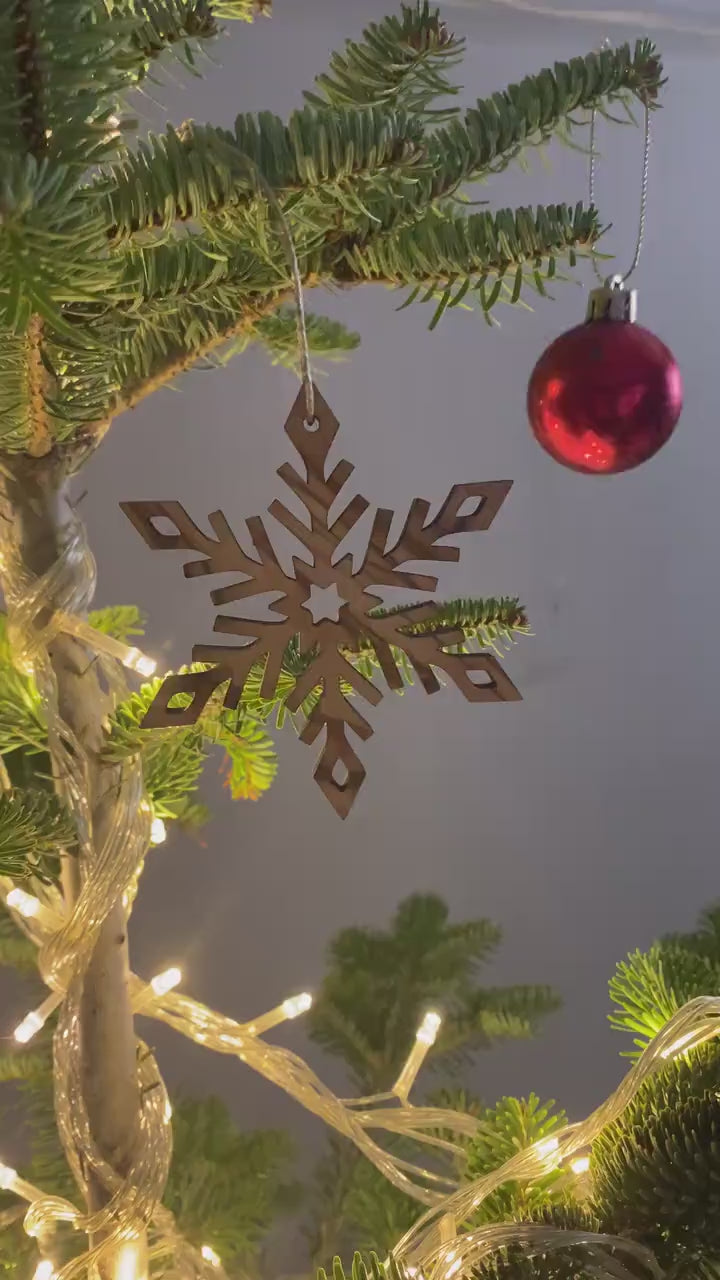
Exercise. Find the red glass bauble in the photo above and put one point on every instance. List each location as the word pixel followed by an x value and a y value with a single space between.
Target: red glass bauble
pixel 605 397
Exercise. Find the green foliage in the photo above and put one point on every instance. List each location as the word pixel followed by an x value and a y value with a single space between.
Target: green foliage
pixel 22 728
pixel 176 26
pixel 21 1066
pixel 379 984
pixel 485 624
pixel 226 1187
pixel 654 1176
pixel 375 991
pixel 16 951
pixel 655 1173
pixel 122 263
pixel 704 940
pixel 122 621
pixel 505 1129
pixel 35 830
pixel 277 333
pixel 649 987
pixel 489 624
pixel 492 623
pixel 125 260
pixel 484 258
pixel 528 113
pixel 203 172
pixel 373 1269
pixel 49 235
pixel 173 758
pixel 360 1207
pixel 47 1166
pixel 401 62
pixel 64 119
pixel 18 1251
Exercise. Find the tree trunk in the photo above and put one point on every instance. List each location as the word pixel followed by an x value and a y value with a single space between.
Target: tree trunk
pixel 35 499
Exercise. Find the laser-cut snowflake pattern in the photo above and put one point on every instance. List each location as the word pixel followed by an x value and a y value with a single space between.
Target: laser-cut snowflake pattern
pixel 327 642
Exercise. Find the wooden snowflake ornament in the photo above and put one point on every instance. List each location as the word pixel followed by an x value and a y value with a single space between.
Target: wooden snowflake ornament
pixel 327 641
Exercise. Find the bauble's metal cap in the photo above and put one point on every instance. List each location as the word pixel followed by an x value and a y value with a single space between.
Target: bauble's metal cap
pixel 613 302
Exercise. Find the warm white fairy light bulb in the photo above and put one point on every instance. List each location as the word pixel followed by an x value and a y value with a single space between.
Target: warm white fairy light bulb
pixel 290 1008
pixel 24 903
pixel 127 1265
pixel 428 1029
pixel 44 1270
pixel 295 1005
pixel 210 1255
pixel 158 831
pixel 29 1027
pixel 425 1037
pixel 8 1177
pixel 580 1165
pixel 136 660
pixel 36 1019
pixel 165 981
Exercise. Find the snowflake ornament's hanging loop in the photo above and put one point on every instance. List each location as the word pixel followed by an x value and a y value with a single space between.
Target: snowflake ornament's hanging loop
pixel 311 422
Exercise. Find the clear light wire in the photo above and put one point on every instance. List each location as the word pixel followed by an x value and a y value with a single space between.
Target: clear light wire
pixel 38 610
pixel 422 1246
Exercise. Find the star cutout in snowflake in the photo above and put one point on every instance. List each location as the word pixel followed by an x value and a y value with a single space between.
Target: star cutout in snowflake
pixel 327 588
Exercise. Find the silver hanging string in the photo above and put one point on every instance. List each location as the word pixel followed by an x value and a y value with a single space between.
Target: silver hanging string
pixel 643 194
pixel 303 345
pixel 291 255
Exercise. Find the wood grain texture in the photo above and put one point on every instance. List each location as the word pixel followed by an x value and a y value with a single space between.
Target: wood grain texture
pixel 328 674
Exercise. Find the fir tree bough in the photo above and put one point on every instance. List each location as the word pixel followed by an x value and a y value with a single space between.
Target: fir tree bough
pixel 115 283
pixel 125 260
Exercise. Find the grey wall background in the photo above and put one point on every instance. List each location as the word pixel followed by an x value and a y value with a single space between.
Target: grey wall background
pixel 584 819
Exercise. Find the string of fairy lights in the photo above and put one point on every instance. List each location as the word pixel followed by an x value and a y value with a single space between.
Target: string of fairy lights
pixel 133 1224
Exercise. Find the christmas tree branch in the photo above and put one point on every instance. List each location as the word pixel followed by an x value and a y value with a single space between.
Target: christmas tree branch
pixel 176 26
pixel 179 360
pixel 35 831
pixel 400 63
pixel 198 172
pixel 497 129
pixel 363 155
pixel 485 258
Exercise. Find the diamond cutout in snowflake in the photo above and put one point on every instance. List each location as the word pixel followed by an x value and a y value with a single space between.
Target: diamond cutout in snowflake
pixel 327 642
